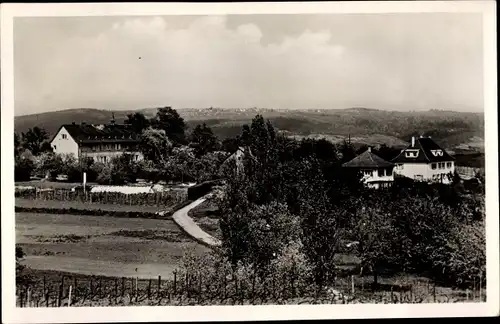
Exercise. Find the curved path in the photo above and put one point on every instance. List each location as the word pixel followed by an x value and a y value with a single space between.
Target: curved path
pixel 182 219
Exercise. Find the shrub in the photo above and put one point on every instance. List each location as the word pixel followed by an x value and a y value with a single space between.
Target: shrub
pixel 23 169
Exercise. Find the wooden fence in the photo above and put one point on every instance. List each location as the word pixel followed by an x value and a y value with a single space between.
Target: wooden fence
pixel 195 289
pixel 166 198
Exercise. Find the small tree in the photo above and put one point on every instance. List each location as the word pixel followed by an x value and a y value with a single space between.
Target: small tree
pixel 138 122
pixel 155 145
pixel 169 120
pixel 203 139
pixel 123 170
pixel 35 140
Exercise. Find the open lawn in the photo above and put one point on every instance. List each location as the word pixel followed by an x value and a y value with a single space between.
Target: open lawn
pixel 102 245
pixel 39 203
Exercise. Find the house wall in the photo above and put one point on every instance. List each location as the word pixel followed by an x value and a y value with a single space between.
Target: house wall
pixel 412 170
pixel 374 177
pixel 63 143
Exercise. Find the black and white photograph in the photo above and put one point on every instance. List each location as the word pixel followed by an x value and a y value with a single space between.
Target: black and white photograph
pixel 265 156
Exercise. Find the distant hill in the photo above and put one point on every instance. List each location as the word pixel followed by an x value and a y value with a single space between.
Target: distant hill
pixel 370 126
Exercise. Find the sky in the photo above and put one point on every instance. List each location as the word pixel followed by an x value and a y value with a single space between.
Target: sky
pixel 403 61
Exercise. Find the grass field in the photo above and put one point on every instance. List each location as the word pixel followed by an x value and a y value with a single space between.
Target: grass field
pixel 102 245
pixel 39 203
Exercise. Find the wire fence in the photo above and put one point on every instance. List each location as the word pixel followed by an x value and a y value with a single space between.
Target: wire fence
pixel 149 199
pixel 196 289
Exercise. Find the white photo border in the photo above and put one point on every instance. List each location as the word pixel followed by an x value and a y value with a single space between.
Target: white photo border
pixel 11 314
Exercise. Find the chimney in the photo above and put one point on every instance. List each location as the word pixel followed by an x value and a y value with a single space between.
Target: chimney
pixel 413 141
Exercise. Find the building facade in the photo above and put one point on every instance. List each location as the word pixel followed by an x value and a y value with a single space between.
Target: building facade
pixel 376 172
pixel 425 160
pixel 99 142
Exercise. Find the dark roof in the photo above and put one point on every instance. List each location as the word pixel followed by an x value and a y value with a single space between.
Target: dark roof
pixel 368 160
pixel 87 133
pixel 424 145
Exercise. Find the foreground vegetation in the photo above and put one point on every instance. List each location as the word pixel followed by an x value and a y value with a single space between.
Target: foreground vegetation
pixel 288 210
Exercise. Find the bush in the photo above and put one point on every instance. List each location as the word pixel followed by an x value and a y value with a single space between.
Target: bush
pixel 23 169
pixel 462 259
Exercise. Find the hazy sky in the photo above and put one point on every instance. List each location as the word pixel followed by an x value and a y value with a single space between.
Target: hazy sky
pixel 415 61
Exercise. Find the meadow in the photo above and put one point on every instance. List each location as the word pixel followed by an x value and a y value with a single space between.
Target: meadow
pixel 101 245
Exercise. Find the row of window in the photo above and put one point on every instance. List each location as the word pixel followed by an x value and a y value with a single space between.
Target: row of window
pixel 434 166
pixel 380 172
pixel 441 165
pixel 105 159
pixel 107 147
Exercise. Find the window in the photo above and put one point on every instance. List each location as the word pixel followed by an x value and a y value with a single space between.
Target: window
pixel 437 152
pixel 381 172
pixel 411 153
pixel 55 147
pixel 388 172
pixel 441 165
pixel 64 136
pixel 368 172
pixel 448 164
pixel 433 166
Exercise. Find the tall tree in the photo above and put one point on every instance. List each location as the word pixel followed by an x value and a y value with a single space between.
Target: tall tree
pixel 155 145
pixel 203 139
pixel 169 120
pixel 35 140
pixel 138 121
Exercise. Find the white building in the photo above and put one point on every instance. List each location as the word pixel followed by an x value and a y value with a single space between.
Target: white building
pixel 100 142
pixel 424 160
pixel 376 172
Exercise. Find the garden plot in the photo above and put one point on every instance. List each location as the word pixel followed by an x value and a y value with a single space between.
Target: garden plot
pixel 85 244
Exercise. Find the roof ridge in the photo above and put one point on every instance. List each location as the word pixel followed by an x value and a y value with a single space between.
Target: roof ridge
pixel 422 149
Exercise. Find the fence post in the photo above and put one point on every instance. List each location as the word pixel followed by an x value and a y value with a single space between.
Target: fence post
pixel 69 296
pixel 116 290
pixel 392 295
pixel 149 289
pixel 59 297
pixel 44 283
pixel 62 285
pixel 21 298
pixel 434 291
pixel 28 295
pixel 175 282
pixel 480 288
pixel 200 288
pixel 225 284
pixel 352 284
pixel 91 286
pixel 123 287
pixel 159 285
pixel 47 294
pixel 136 288
pixel 474 289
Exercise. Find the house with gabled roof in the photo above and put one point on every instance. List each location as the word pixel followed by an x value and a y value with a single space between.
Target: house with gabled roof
pixel 376 172
pixel 424 160
pixel 99 142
